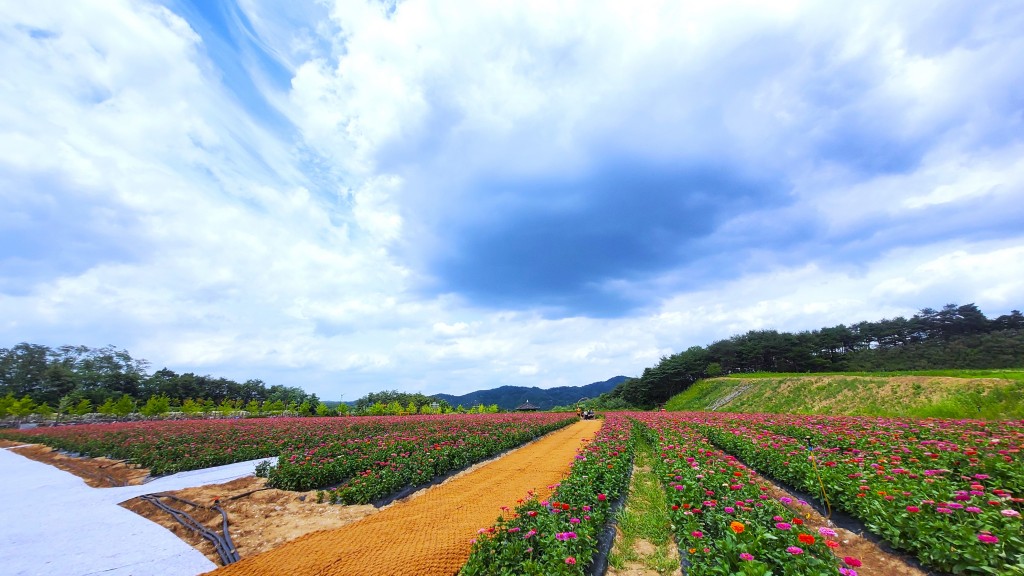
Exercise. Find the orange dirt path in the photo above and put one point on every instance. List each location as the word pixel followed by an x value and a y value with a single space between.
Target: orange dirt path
pixel 431 533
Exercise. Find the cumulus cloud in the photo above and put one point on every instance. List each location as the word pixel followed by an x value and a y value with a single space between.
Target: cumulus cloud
pixel 441 196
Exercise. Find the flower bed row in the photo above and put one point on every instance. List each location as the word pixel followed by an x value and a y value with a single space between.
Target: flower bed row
pixel 953 520
pixel 559 536
pixel 305 445
pixel 724 521
pixel 370 469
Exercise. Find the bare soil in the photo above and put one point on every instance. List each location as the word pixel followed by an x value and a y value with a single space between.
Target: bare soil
pixel 96 472
pixel 642 548
pixel 260 518
pixel 876 560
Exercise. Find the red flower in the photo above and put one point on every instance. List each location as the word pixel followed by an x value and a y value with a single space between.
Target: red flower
pixel 806 538
pixel 852 562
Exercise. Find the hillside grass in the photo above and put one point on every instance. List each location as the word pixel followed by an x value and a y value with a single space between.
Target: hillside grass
pixel 984 394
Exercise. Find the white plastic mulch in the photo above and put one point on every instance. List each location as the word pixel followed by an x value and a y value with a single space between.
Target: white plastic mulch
pixel 55 525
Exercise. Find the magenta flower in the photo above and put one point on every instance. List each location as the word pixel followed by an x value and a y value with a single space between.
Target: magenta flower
pixel 746 557
pixel 987 538
pixel 783 525
pixel 794 550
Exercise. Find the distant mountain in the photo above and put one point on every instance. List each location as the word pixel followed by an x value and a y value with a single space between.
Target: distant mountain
pixel 508 397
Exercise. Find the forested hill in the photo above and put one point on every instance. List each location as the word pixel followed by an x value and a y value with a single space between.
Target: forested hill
pixel 508 397
pixel 955 337
pixel 75 374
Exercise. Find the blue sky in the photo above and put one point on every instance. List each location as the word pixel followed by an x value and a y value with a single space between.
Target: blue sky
pixel 446 196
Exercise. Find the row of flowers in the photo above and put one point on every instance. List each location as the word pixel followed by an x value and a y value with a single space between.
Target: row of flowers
pixel 724 520
pixel 953 514
pixel 560 535
pixel 373 470
pixel 311 450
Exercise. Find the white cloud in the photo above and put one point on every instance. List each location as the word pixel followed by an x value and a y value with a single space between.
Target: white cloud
pixel 226 243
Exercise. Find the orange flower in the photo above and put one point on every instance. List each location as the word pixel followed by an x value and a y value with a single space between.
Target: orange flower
pixel 806 538
pixel 737 527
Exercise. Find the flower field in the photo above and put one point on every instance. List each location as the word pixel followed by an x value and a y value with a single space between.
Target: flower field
pixel 559 535
pixel 313 452
pixel 946 491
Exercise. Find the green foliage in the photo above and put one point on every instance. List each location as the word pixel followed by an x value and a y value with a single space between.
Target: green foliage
pixel 191 407
pixel 862 395
pixel 124 406
pixel 47 375
pixel 107 408
pixel 953 338
pixel 156 405
pixel 389 398
pixel 645 517
pixel 5 405
pixel 22 408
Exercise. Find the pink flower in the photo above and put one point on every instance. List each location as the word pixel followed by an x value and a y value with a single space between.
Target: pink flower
pixel 826 531
pixel 571 560
pixel 852 562
pixel 987 538
pixel 783 525
pixel 913 509
pixel 794 550
pixel 697 534
pixel 1010 513
pixel 746 557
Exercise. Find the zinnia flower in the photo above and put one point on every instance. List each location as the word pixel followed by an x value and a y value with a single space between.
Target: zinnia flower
pixel 746 557
pixel 794 550
pixel 737 527
pixel 806 538
pixel 571 560
pixel 987 538
pixel 852 562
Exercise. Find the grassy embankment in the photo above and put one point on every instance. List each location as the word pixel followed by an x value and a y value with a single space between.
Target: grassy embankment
pixel 985 394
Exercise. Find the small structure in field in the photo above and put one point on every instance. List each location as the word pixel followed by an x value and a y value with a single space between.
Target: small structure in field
pixel 527 407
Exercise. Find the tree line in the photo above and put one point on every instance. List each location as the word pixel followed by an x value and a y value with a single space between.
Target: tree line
pixel 395 403
pixel 953 337
pixel 80 379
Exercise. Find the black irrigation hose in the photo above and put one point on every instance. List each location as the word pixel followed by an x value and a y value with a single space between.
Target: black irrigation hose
pixel 225 548
pixel 224 530
pixel 249 493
